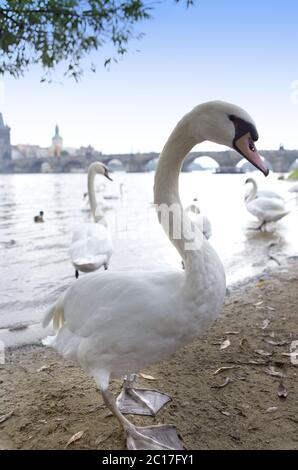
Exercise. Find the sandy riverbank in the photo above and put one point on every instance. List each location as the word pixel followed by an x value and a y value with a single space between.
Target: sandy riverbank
pixel 51 399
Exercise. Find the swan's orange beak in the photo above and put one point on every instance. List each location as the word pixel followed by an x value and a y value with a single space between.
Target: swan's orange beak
pixel 245 145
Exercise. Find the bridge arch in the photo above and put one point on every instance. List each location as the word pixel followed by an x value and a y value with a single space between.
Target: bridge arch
pixel 36 166
pixel 151 164
pixel 205 162
pixel 115 164
pixel 294 165
pixel 71 165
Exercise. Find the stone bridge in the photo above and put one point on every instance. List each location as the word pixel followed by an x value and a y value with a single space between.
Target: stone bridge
pixel 278 160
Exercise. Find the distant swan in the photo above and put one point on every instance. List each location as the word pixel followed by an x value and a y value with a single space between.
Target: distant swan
pixel 85 207
pixel 266 209
pixel 91 245
pixel 199 219
pixel 117 323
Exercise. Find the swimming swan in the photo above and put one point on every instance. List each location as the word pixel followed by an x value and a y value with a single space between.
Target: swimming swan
pixel 91 245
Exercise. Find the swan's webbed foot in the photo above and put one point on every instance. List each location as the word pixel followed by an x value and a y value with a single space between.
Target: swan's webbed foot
pixel 141 401
pixel 77 274
pixel 160 437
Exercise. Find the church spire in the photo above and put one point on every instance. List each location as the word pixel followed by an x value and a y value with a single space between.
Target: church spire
pixel 57 143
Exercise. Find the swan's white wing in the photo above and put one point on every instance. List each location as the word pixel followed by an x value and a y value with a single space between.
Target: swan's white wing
pixel 269 194
pixel 265 204
pixel 123 321
pixel 267 209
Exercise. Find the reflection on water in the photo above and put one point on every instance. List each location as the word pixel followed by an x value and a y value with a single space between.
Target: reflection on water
pixel 35 266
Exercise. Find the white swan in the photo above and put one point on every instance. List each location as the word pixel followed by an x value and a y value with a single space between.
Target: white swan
pixel 256 193
pixel 121 322
pixel 294 188
pixel 91 245
pixel 266 209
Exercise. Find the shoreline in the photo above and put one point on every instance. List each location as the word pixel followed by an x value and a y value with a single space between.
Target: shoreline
pixel 20 334
pixel 51 399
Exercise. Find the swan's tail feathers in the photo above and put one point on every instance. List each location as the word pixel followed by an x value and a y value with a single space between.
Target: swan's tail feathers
pixel 55 314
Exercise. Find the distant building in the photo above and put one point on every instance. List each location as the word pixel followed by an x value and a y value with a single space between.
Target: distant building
pixel 29 151
pixel 57 143
pixel 5 147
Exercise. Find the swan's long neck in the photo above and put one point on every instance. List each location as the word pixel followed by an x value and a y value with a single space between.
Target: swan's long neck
pixel 253 191
pixel 166 190
pixel 92 196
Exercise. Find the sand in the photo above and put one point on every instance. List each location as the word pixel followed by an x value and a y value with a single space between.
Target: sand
pixel 45 400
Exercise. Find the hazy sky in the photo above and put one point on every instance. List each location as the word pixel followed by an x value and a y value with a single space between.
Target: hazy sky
pixel 243 52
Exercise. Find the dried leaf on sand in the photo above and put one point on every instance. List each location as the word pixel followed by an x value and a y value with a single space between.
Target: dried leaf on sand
pixel 271 409
pixel 226 382
pixel 265 324
pixel 147 377
pixel 42 368
pixel 273 372
pixel 5 417
pixel 78 435
pixel 260 283
pixel 263 353
pixel 221 369
pixel 225 344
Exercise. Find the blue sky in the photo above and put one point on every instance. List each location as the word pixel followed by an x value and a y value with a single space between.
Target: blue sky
pixel 243 52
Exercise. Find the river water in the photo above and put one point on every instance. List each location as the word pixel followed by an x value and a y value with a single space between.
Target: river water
pixel 35 266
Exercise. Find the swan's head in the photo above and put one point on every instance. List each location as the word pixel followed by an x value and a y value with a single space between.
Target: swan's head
pixel 250 180
pixel 100 168
pixel 229 125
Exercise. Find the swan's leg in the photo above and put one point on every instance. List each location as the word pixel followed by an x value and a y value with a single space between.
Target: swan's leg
pixel 263 224
pixel 182 264
pixel 77 274
pixel 105 266
pixel 140 401
pixel 160 437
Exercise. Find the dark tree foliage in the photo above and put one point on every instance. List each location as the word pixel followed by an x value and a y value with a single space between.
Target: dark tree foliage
pixel 49 32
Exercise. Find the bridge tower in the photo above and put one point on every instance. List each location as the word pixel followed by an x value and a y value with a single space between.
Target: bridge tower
pixel 57 143
pixel 5 147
